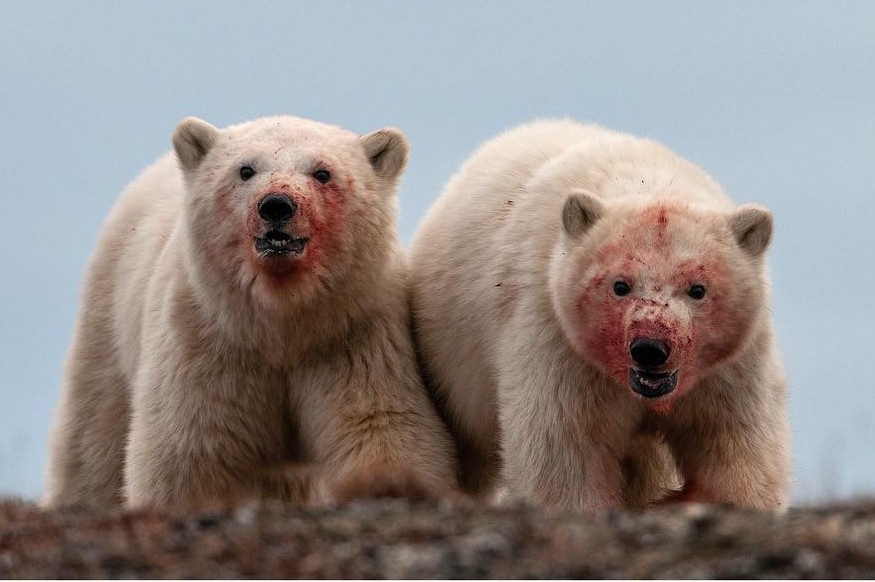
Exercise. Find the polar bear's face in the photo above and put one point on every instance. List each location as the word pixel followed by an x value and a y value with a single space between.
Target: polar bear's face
pixel 278 207
pixel 658 297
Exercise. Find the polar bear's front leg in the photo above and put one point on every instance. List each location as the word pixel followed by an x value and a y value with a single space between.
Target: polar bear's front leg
pixel 367 420
pixel 87 443
pixel 202 430
pixel 732 442
pixel 563 436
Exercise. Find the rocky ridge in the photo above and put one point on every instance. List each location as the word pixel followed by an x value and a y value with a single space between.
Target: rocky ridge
pixel 393 538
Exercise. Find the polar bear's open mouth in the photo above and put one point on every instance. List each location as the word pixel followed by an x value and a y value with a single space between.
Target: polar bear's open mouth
pixel 277 243
pixel 652 384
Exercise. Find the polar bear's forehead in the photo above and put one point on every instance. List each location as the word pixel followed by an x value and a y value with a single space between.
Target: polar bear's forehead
pixel 663 235
pixel 286 125
pixel 272 134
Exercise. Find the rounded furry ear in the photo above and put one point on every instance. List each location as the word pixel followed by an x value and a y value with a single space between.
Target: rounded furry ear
pixel 580 212
pixel 192 139
pixel 751 225
pixel 386 150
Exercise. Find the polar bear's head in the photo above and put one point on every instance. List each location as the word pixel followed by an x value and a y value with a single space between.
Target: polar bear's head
pixel 659 293
pixel 281 209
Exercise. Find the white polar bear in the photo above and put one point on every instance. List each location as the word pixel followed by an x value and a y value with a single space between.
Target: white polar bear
pixel 593 314
pixel 245 329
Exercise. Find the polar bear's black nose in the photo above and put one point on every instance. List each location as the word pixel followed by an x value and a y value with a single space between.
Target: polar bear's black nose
pixel 649 353
pixel 277 207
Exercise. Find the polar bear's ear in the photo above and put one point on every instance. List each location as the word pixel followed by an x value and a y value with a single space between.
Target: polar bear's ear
pixel 386 150
pixel 192 139
pixel 751 225
pixel 580 212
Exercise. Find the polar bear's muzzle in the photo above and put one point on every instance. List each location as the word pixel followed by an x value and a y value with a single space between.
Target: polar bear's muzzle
pixel 276 211
pixel 648 379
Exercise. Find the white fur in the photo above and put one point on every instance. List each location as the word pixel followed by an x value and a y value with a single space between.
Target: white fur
pixel 498 268
pixel 196 376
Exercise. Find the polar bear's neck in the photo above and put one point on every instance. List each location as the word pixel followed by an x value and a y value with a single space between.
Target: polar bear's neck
pixel 284 334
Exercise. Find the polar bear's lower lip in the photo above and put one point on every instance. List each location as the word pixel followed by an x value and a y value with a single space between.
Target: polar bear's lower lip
pixel 277 244
pixel 652 384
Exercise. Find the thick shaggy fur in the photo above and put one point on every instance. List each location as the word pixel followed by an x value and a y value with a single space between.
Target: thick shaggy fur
pixel 204 369
pixel 549 253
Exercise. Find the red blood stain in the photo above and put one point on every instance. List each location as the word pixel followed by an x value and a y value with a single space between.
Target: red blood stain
pixel 688 493
pixel 320 217
pixel 699 333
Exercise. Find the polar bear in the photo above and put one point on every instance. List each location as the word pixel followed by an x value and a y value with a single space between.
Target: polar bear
pixel 592 313
pixel 245 327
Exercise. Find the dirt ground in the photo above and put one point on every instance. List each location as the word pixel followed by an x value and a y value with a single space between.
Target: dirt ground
pixel 402 539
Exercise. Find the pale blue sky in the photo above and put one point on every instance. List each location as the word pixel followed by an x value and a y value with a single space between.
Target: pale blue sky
pixel 776 100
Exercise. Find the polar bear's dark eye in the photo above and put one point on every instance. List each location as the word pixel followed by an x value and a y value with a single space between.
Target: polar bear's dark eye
pixel 246 172
pixel 621 288
pixel 322 175
pixel 696 292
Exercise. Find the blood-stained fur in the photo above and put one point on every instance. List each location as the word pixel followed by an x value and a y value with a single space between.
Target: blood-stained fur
pixel 592 313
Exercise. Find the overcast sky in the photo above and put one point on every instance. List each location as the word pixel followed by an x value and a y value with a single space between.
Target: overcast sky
pixel 776 100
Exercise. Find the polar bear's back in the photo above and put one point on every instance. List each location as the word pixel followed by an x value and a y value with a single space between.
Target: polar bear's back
pixel 90 427
pixel 461 275
pixel 124 263
pixel 464 225
pixel 494 176
pixel 461 245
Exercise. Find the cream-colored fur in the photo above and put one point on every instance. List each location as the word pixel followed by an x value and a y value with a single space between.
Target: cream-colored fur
pixel 203 370
pixel 526 343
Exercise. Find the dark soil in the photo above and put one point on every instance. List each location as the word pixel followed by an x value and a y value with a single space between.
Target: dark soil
pixel 402 539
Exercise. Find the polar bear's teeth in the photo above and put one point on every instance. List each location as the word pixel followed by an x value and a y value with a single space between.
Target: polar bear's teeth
pixel 652 384
pixel 280 244
pixel 297 244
